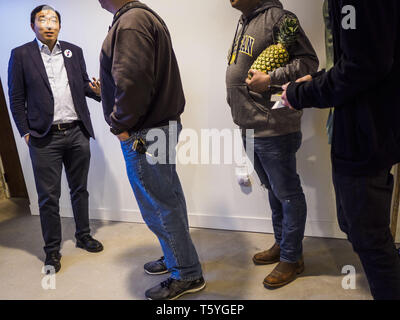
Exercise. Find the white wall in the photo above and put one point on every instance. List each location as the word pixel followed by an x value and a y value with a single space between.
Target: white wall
pixel 202 32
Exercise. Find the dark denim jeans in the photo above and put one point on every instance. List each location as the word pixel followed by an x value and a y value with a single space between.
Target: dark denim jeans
pixel 70 148
pixel 162 203
pixel 363 208
pixel 275 164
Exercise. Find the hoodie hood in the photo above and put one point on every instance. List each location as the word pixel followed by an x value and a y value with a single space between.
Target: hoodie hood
pixel 262 7
pixel 245 20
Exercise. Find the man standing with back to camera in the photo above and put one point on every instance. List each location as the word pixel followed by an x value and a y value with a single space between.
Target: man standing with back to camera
pixel 141 91
pixel 48 82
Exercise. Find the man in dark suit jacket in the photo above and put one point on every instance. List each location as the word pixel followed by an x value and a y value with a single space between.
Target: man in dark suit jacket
pixel 48 85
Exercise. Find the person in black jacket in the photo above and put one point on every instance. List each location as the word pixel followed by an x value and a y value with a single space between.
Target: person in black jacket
pixel 48 83
pixel 363 88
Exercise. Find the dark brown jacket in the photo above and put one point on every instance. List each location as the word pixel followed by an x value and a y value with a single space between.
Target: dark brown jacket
pixel 141 83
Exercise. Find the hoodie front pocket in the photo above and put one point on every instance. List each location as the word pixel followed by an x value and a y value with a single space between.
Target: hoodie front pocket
pixel 248 108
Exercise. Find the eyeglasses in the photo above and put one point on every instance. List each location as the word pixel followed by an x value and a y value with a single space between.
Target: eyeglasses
pixel 51 21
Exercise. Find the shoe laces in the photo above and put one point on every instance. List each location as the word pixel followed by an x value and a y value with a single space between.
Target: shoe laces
pixel 86 237
pixel 167 283
pixel 54 255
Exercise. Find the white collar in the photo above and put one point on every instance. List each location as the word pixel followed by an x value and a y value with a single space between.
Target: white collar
pixel 41 45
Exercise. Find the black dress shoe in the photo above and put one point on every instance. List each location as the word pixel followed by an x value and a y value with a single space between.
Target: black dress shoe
pixel 89 244
pixel 53 260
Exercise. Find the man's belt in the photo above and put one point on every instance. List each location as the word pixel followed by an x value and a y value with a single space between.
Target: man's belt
pixel 64 126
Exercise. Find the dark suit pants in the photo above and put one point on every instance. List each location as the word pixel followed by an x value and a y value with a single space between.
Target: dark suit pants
pixel 70 148
pixel 363 205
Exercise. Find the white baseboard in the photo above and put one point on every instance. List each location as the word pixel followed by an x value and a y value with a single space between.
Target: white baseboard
pixel 314 228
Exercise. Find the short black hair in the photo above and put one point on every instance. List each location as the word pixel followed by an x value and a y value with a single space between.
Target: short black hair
pixel 40 8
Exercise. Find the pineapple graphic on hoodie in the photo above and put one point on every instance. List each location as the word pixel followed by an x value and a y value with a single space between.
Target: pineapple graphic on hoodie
pixel 255 33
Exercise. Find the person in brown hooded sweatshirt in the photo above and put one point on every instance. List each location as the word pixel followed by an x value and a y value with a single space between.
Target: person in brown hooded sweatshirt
pixel 142 91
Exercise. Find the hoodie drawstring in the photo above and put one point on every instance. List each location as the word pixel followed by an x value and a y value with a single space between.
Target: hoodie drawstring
pixel 240 40
pixel 239 43
pixel 234 41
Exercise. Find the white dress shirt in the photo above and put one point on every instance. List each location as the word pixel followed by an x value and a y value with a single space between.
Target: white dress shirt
pixel 64 109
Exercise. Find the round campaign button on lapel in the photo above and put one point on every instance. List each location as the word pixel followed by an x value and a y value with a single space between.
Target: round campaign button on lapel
pixel 68 53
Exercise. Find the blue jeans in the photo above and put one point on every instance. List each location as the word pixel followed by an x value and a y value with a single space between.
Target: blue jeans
pixel 275 165
pixel 162 203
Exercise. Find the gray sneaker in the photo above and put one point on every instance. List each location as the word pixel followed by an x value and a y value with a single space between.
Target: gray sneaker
pixel 156 267
pixel 172 289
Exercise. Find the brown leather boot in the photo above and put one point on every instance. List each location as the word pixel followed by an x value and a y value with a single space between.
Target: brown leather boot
pixel 283 274
pixel 268 257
